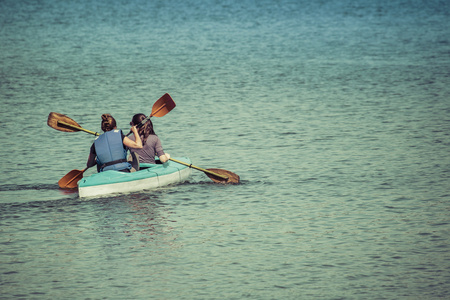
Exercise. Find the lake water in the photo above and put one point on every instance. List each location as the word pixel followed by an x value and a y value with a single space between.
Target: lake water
pixel 335 114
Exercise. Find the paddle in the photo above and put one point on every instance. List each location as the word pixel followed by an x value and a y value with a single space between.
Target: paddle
pixel 64 123
pixel 216 175
pixel 70 181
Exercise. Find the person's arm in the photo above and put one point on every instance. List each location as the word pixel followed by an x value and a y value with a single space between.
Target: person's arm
pixel 137 144
pixel 163 157
pixel 91 160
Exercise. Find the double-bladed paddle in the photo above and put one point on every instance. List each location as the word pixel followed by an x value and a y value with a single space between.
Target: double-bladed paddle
pixel 161 107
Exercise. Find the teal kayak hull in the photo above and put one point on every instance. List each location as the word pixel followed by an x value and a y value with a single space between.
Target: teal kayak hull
pixel 150 176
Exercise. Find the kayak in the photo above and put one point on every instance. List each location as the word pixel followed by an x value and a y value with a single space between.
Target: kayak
pixel 150 176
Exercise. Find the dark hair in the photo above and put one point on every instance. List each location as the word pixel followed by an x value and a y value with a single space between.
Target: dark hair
pixel 146 129
pixel 108 122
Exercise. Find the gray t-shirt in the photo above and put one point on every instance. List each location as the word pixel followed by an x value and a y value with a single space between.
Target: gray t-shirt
pixel 152 148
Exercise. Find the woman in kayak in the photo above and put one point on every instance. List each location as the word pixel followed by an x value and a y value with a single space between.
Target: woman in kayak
pixel 109 150
pixel 151 143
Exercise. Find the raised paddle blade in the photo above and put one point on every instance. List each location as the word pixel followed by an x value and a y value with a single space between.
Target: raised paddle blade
pixel 70 180
pixel 162 106
pixel 54 120
pixel 230 176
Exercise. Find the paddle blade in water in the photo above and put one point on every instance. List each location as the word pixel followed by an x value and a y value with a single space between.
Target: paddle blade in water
pixel 232 177
pixel 162 106
pixel 53 119
pixel 70 180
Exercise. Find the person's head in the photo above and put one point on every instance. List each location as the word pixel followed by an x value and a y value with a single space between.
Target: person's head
pixel 108 122
pixel 145 130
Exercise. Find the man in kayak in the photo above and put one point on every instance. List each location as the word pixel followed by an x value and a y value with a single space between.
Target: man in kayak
pixel 109 150
pixel 151 143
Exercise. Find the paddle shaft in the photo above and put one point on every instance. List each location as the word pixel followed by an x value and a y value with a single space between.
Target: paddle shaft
pixel 197 168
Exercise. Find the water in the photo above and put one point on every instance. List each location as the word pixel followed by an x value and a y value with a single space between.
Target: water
pixel 334 113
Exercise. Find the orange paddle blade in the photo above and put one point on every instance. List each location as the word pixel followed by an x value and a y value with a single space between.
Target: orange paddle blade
pixel 162 106
pixel 230 176
pixel 70 180
pixel 54 119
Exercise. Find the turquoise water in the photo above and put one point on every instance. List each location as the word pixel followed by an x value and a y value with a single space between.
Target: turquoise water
pixel 335 114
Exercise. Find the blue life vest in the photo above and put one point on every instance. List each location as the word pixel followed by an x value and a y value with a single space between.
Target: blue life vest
pixel 111 154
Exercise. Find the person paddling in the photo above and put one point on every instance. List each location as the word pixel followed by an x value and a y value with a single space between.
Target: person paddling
pixel 151 143
pixel 109 150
